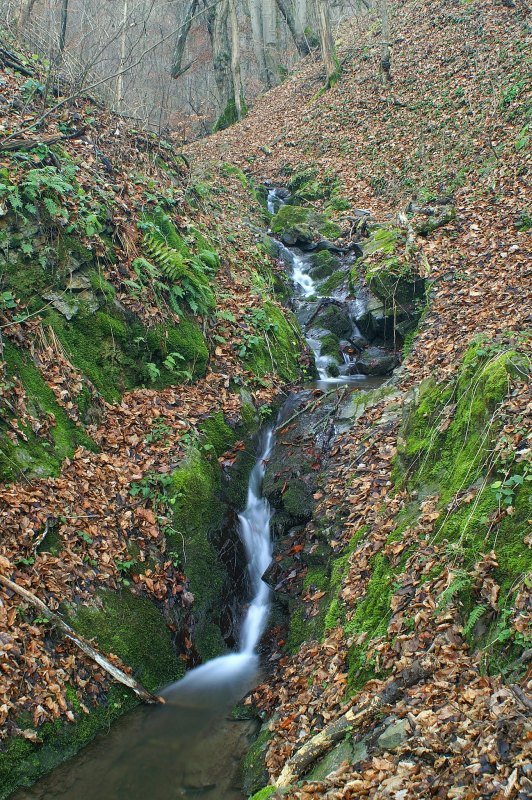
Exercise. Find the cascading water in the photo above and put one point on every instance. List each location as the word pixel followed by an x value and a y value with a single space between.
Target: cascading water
pixel 238 670
pixel 188 746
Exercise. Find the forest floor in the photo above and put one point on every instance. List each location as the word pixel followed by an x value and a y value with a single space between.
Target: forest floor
pixel 452 122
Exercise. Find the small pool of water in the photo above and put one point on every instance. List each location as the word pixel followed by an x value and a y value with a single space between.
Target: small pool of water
pixel 171 752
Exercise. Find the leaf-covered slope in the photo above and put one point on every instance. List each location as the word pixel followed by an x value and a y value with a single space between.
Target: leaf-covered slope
pixel 139 334
pixel 426 500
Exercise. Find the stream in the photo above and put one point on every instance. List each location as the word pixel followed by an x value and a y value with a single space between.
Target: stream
pixel 191 747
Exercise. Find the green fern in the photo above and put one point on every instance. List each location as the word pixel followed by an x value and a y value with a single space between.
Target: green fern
pixel 473 618
pixel 188 275
pixel 460 582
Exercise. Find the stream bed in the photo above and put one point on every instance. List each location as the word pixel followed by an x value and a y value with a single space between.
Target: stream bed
pixel 192 747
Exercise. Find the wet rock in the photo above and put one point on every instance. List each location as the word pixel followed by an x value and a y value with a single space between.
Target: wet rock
pixel 394 735
pixel 336 320
pixel 306 311
pixel 342 752
pixel 322 265
pixel 431 216
pixel 324 246
pixel 376 361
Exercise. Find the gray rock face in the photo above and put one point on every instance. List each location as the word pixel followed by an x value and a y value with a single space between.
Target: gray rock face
pixel 394 735
pixel 336 320
pixel 375 361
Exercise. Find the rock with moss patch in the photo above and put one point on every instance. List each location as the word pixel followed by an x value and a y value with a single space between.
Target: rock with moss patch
pixel 376 361
pixel 334 319
pixel 301 226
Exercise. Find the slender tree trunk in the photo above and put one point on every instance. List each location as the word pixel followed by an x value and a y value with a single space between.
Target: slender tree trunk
pixel 177 68
pixel 255 12
pixel 236 72
pixel 269 28
pixel 295 24
pixel 386 51
pixel 26 8
pixel 123 43
pixel 326 40
pixel 63 25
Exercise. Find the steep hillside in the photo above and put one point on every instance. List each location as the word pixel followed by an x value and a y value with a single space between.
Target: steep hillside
pixel 414 682
pixel 140 340
pixel 145 335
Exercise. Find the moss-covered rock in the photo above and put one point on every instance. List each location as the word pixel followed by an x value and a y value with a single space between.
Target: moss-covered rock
pixel 334 319
pixel 254 772
pixel 278 348
pixel 33 455
pixel 299 225
pixel 135 630
pixel 323 264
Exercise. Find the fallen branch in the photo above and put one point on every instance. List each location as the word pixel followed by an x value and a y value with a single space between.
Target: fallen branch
pixel 356 717
pixel 83 644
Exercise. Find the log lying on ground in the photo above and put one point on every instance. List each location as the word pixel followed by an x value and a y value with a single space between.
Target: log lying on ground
pixel 356 717
pixel 83 644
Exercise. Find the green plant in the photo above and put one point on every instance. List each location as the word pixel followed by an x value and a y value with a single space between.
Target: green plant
pixel 505 489
pixel 172 266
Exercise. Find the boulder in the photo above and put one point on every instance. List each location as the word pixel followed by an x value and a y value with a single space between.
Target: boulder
pixel 394 735
pixel 296 225
pixel 376 361
pixel 335 319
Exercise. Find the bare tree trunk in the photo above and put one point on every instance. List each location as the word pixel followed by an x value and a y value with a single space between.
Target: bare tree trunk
pixel 327 42
pixel 26 7
pixel 295 23
pixel 269 28
pixel 236 72
pixel 177 68
pixel 63 26
pixel 123 43
pixel 255 12
pixel 386 51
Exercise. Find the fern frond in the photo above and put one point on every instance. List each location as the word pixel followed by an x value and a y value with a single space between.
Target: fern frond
pixel 473 618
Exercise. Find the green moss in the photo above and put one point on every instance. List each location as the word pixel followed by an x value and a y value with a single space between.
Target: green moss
pixel 197 510
pixel 452 458
pixel 285 343
pixel 229 115
pixel 36 455
pixel 264 793
pixel 23 762
pixel 323 265
pixel 330 346
pixel 371 617
pixel 187 341
pixel 332 283
pixel 134 629
pixel 217 434
pixel 303 224
pixel 254 772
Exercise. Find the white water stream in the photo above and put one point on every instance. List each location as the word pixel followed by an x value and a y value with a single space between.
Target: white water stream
pixel 238 670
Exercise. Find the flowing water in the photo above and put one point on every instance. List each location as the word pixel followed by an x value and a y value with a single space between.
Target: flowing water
pixel 191 748
pixel 188 748
pixel 305 288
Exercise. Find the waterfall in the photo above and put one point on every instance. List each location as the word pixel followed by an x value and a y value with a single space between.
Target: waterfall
pixel 235 673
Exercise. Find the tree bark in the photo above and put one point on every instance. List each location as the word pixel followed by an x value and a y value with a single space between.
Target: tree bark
pixel 26 7
pixel 63 26
pixel 236 72
pixel 179 50
pixel 296 24
pixel 269 28
pixel 79 641
pixel 123 43
pixel 326 40
pixel 386 51
pixel 356 717
pixel 255 12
